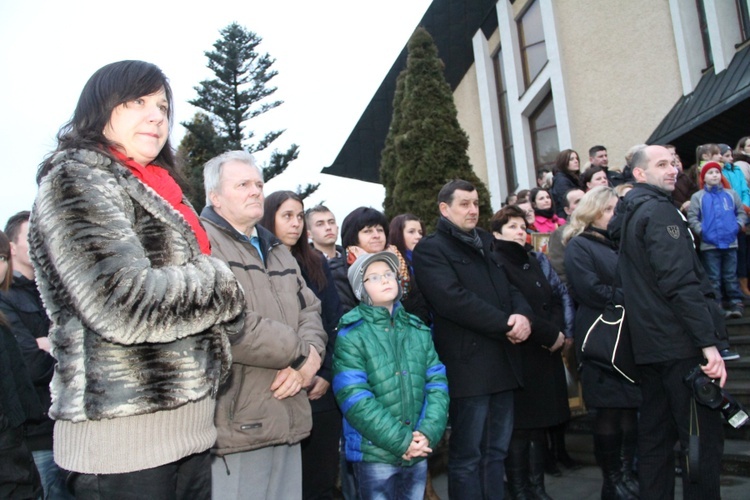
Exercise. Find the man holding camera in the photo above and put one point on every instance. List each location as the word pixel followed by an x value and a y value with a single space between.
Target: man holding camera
pixel 668 303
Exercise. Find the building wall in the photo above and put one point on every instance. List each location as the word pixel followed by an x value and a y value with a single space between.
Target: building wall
pixel 467 103
pixel 623 76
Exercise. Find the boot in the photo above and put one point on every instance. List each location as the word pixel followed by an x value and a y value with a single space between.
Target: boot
pixel 560 453
pixel 607 451
pixel 629 446
pixel 517 468
pixel 743 287
pixel 550 462
pixel 537 451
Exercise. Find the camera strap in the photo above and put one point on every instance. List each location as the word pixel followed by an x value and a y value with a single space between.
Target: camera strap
pixel 693 451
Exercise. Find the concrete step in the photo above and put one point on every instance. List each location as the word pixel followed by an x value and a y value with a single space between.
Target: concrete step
pixel 736 459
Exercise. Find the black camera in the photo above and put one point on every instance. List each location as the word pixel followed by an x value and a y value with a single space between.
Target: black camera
pixel 708 393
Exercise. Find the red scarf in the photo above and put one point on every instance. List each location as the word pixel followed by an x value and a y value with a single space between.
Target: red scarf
pixel 165 186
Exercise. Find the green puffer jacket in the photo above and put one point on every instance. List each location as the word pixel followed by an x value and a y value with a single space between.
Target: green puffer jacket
pixel 389 382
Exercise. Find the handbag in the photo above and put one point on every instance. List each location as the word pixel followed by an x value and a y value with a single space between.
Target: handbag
pixel 607 344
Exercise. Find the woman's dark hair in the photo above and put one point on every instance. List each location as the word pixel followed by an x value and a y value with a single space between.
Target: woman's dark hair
pixel 589 174
pixel 5 251
pixel 535 192
pixel 396 231
pixel 357 220
pixel 309 260
pixel 111 85
pixel 503 215
pixel 562 163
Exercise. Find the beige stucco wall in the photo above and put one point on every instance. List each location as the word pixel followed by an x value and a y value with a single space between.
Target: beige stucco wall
pixel 466 97
pixel 619 64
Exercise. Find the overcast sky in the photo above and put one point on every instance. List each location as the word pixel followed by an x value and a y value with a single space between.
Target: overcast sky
pixel 331 56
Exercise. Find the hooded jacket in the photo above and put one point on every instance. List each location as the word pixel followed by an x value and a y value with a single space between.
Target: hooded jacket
pixel 381 410
pixel 716 215
pixel 282 321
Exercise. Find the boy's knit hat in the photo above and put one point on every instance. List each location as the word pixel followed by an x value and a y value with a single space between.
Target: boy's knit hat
pixel 357 272
pixel 724 148
pixel 708 166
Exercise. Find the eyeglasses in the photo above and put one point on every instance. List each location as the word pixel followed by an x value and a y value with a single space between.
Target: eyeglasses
pixel 3 258
pixel 377 278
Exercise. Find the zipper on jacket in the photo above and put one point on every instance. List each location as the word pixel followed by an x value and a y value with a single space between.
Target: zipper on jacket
pixel 233 404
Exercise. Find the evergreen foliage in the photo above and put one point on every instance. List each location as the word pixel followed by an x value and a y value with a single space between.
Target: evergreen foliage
pixel 425 146
pixel 240 91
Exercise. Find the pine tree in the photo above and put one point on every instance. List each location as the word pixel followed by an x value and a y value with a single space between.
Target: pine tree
pixel 428 144
pixel 388 156
pixel 240 91
pixel 200 144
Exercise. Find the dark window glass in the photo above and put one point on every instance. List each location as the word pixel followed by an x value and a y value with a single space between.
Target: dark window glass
pixel 743 13
pixel 533 47
pixel 704 33
pixel 507 137
pixel 544 134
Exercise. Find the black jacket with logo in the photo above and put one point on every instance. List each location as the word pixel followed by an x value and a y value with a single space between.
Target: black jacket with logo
pixel 668 298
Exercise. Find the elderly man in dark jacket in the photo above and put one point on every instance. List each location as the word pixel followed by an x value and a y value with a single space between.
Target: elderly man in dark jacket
pixel 669 306
pixel 478 317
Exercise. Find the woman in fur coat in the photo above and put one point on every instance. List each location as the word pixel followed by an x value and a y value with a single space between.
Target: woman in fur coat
pixel 140 311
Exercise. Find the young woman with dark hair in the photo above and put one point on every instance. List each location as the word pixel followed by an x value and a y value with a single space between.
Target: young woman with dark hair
pixel 284 216
pixel 405 232
pixel 565 177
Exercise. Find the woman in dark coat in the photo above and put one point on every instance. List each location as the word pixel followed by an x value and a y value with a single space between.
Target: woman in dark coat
pixel 591 264
pixel 543 400
pixel 566 177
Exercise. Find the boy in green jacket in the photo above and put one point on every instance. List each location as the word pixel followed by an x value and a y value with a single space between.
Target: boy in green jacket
pixel 389 383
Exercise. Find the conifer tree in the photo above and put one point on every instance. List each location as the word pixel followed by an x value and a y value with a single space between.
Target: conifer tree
pixel 426 146
pixel 239 91
pixel 388 156
pixel 200 144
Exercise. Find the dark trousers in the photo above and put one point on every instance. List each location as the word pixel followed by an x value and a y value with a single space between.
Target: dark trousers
pixel 320 455
pixel 188 478
pixel 665 420
pixel 19 478
pixel 481 427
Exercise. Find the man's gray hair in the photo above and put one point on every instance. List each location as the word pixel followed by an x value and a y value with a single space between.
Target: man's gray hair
pixel 213 167
pixel 640 157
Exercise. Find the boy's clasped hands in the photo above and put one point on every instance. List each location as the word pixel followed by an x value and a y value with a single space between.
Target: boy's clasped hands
pixel 419 446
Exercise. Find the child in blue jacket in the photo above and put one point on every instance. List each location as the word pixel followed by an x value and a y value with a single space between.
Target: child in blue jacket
pixel 716 215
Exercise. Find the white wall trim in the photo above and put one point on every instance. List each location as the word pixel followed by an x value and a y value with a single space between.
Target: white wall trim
pixel 686 28
pixel 723 30
pixel 489 110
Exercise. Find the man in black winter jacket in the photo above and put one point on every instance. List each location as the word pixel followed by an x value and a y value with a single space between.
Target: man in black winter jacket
pixel 478 318
pixel 669 310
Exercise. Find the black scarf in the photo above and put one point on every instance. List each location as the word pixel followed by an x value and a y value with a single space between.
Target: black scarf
pixel 549 213
pixel 471 238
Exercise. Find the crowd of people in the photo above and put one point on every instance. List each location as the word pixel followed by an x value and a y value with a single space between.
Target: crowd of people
pixel 151 352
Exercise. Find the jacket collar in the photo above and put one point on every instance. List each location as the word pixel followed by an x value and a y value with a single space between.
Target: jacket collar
pixel 267 239
pixel 473 239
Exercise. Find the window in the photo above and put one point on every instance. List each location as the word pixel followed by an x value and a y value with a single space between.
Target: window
pixel 544 134
pixel 507 137
pixel 704 33
pixel 531 38
pixel 743 13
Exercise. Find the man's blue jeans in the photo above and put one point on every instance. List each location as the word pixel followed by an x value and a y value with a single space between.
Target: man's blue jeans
pixel 721 268
pixel 481 427
pixel 376 481
pixel 53 478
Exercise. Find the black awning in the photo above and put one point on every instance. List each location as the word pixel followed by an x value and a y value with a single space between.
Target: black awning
pixel 452 24
pixel 710 112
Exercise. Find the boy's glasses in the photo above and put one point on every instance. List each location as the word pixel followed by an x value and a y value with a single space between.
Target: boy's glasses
pixel 377 278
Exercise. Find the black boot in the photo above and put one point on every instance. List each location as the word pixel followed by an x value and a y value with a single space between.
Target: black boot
pixel 629 446
pixel 607 451
pixel 558 446
pixel 550 460
pixel 517 467
pixel 537 451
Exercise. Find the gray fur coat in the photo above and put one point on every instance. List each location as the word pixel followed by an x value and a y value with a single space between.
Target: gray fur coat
pixel 139 316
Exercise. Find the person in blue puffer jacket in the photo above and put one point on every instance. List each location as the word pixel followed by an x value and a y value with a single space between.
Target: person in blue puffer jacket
pixel 716 215
pixel 389 383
